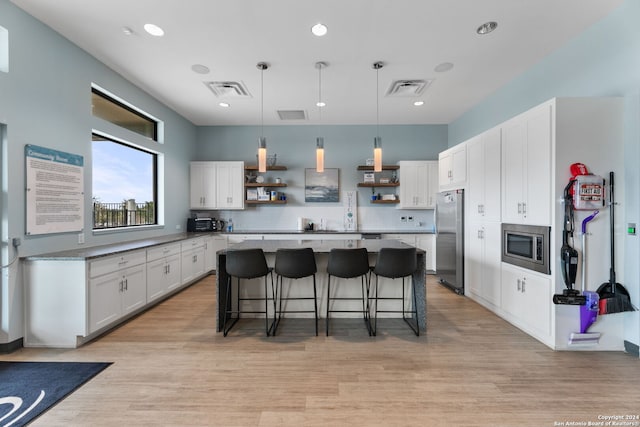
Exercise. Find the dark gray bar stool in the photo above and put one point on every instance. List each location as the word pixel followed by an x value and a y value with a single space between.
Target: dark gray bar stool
pixel 349 264
pixel 295 264
pixel 247 264
pixel 395 263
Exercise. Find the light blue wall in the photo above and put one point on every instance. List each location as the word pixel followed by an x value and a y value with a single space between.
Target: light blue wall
pixel 602 61
pixel 45 100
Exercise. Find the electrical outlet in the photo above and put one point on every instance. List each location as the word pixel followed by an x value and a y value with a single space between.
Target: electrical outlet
pixel 178 226
pixel 16 242
pixel 81 238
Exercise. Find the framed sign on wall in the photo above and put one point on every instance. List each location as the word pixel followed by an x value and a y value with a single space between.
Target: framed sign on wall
pixel 54 191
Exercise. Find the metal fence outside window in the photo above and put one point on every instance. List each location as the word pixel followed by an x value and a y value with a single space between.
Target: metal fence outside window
pixel 125 214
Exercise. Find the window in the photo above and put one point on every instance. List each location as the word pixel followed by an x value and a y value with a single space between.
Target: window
pixel 4 50
pixel 124 184
pixel 119 113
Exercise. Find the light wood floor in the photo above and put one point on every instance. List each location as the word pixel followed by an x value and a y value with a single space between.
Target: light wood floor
pixel 471 369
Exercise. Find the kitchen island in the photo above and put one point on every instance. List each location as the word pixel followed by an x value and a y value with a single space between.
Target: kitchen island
pixel 322 249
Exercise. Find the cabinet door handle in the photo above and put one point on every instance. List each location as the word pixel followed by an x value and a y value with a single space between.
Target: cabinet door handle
pixel 519 285
pixel 523 283
pixel 479 234
pixel 519 208
pixel 524 208
pixel 121 285
pixel 126 284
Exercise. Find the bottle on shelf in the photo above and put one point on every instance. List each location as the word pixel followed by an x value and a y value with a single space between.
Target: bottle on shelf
pixel 230 225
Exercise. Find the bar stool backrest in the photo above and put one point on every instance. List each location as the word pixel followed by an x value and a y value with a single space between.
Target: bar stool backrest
pixel 396 262
pixel 348 263
pixel 246 263
pixel 295 263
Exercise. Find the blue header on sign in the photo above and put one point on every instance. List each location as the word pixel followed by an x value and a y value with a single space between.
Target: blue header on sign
pixel 53 155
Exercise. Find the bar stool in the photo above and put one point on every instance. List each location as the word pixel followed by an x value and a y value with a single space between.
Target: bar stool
pixel 395 263
pixel 295 264
pixel 349 264
pixel 247 264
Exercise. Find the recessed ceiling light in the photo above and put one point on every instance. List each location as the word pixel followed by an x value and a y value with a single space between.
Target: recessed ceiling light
pixel 487 27
pixel 445 66
pixel 154 30
pixel 319 30
pixel 200 69
pixel 224 104
pixel 418 103
pixel 127 31
pixel 320 104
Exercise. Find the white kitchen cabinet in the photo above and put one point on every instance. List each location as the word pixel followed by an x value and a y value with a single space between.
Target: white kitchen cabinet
pixel 237 238
pixel 526 167
pixel 483 258
pixel 163 270
pixel 118 292
pixel 483 187
pixel 203 185
pixel 230 185
pixel 425 242
pixel 452 168
pixel 192 264
pixel 418 184
pixel 212 244
pixel 217 185
pixel 526 300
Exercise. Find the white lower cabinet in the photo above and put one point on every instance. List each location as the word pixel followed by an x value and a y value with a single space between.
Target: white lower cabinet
pixel 426 242
pixel 212 244
pixel 192 259
pixel 163 270
pixel 70 301
pixel 118 293
pixel 526 300
pixel 483 261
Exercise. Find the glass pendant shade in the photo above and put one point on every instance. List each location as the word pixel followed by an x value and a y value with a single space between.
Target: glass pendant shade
pixel 320 154
pixel 262 154
pixel 377 154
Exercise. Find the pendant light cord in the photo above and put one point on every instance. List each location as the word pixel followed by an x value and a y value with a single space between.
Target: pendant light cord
pixel 262 102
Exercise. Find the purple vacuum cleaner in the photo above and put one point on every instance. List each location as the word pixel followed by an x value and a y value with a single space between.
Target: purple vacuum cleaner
pixel 588 311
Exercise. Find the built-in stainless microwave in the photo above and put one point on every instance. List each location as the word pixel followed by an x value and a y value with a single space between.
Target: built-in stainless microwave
pixel 526 246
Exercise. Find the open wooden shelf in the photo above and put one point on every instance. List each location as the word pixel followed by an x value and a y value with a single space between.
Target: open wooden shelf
pixel 378 184
pixel 385 202
pixel 264 184
pixel 384 168
pixel 269 168
pixel 265 202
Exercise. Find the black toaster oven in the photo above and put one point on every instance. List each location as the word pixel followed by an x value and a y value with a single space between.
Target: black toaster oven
pixel 202 224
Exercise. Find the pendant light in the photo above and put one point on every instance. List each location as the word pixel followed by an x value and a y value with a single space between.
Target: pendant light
pixel 377 141
pixel 262 141
pixel 320 104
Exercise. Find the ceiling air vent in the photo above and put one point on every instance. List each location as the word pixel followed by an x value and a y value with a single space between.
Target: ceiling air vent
pixel 408 87
pixel 228 89
pixel 292 114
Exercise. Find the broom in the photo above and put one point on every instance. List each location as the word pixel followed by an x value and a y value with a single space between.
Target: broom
pixel 614 298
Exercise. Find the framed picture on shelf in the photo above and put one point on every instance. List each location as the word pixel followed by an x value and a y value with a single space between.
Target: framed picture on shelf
pixel 323 186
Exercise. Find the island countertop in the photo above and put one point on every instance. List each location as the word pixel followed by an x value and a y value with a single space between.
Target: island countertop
pixel 322 249
pixel 320 246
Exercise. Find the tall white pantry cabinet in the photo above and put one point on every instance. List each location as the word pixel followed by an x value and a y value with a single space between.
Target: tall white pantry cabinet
pixel 521 179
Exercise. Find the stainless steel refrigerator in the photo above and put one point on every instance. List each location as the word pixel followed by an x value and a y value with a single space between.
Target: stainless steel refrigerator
pixel 450 239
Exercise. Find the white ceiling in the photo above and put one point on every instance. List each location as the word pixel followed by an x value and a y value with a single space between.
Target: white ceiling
pixel 231 36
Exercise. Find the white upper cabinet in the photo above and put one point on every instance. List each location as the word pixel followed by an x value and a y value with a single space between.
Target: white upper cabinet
pixel 526 167
pixel 217 185
pixel 203 188
pixel 418 184
pixel 453 168
pixel 483 187
pixel 230 185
